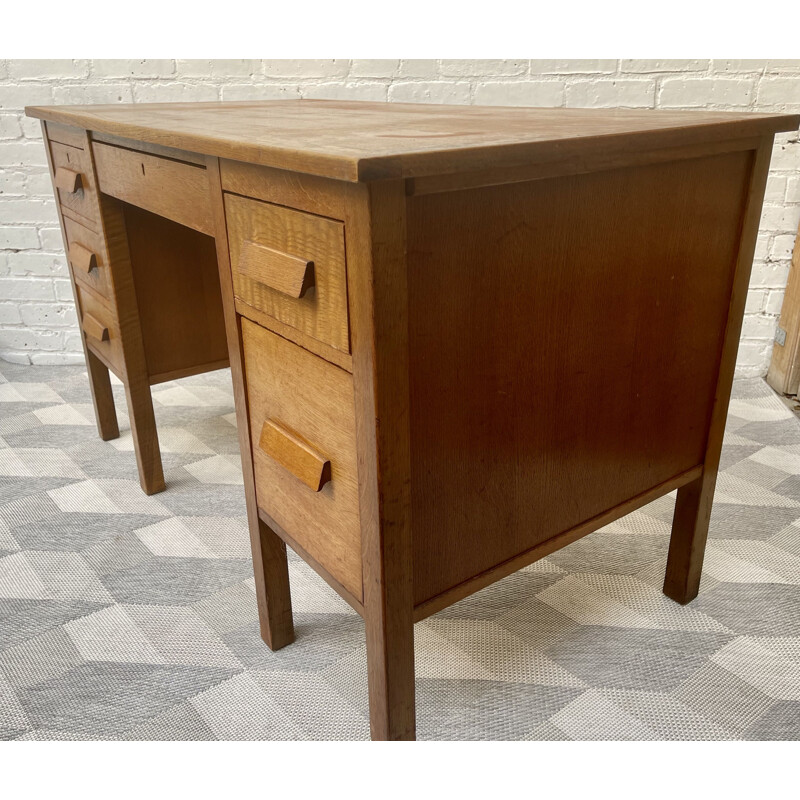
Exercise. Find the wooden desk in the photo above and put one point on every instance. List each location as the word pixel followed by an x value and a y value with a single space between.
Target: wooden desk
pixel 460 338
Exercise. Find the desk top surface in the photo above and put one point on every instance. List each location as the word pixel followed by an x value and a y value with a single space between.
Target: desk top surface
pixel 359 141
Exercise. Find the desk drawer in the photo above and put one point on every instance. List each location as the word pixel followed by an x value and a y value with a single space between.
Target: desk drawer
pixel 302 424
pixel 87 258
pixel 99 324
pixel 75 183
pixel 291 266
pixel 170 188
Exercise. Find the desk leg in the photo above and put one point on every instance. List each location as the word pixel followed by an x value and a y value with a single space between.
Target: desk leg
pixel 693 506
pixel 102 396
pixel 390 662
pixel 145 435
pixel 687 546
pixel 270 566
pixel 376 253
pixel 274 598
pixel 133 362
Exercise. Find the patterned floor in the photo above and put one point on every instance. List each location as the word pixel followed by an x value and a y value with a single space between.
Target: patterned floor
pixel 131 617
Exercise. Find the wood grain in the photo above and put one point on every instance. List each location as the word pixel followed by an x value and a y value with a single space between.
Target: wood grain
pixel 315 400
pixel 360 141
pixel 171 189
pixel 542 409
pixel 694 502
pixel 322 312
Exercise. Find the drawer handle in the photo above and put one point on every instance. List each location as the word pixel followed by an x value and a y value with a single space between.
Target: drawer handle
pixel 81 258
pixel 295 454
pixel 282 272
pixel 94 329
pixel 68 180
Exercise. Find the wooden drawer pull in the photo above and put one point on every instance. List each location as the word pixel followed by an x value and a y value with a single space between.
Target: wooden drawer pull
pixel 68 180
pixel 82 258
pixel 93 328
pixel 295 454
pixel 282 272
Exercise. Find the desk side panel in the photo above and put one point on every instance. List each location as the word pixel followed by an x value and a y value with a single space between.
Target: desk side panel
pixel 564 338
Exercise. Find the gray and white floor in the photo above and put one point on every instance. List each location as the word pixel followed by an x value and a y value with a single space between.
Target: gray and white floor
pixel 131 617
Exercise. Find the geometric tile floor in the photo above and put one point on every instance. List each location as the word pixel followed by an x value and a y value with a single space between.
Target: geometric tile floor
pixel 124 616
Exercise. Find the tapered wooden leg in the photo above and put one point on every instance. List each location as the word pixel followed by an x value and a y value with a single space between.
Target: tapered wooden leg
pixel 274 597
pixel 390 667
pixel 693 506
pixel 270 567
pixel 687 545
pixel 102 396
pixel 379 329
pixel 145 436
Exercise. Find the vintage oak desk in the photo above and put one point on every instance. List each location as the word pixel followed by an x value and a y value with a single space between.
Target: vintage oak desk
pixel 460 337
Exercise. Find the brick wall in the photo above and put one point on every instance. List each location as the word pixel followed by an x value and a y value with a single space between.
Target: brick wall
pixel 37 318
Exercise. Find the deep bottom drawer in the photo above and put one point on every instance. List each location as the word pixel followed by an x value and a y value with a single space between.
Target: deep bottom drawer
pixel 302 422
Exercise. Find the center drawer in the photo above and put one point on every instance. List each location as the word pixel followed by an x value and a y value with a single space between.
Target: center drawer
pixel 302 425
pixel 177 190
pixel 291 266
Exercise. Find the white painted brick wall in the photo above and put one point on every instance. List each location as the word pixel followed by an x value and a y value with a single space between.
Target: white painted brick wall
pixel 37 318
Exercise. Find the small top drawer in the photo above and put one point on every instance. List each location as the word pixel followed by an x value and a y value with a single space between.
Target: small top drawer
pixel 75 182
pixel 87 259
pixel 291 266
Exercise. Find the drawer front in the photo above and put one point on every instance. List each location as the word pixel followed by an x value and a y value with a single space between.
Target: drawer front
pixel 86 257
pixel 75 183
pixel 302 424
pixel 170 188
pixel 100 328
pixel 291 266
